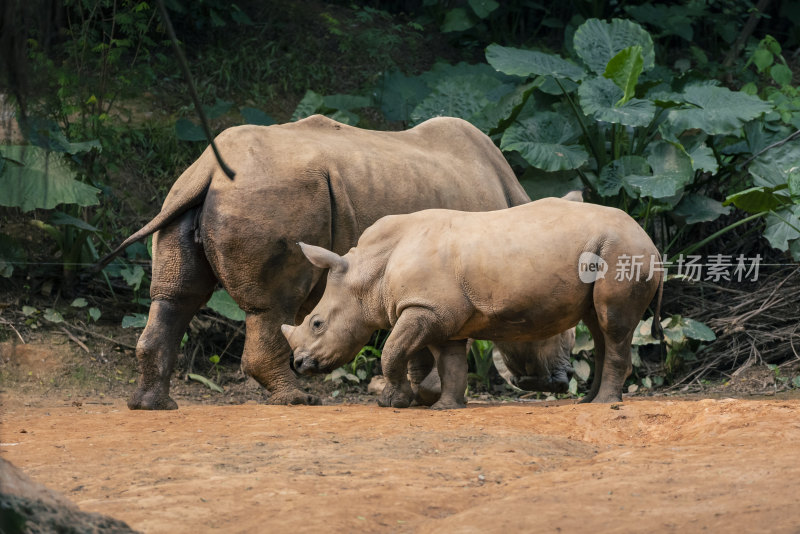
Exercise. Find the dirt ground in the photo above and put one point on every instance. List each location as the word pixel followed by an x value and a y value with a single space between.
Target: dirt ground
pixel 661 464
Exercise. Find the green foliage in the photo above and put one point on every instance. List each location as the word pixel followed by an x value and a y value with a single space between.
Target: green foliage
pixel 637 135
pixel 682 336
pixel 34 177
pixel 136 320
pixel 363 365
pixel 222 303
pixel 480 362
pixel 206 382
pixel 12 254
pixel 337 107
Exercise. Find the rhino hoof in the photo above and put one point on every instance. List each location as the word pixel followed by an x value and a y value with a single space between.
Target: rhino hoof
pixel 294 396
pixel 150 401
pixel 448 405
pixel 394 398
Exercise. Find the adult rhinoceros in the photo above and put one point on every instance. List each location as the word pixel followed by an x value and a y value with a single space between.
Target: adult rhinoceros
pixel 316 181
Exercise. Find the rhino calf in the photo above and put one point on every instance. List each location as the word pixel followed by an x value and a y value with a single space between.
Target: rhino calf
pixel 438 277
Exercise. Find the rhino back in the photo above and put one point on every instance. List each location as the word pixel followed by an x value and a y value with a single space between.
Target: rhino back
pixel 323 182
pixel 496 275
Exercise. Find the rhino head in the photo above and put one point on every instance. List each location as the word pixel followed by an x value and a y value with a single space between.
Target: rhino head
pixel 335 330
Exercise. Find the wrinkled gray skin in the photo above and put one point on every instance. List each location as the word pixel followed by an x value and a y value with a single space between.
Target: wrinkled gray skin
pixel 420 274
pixel 314 180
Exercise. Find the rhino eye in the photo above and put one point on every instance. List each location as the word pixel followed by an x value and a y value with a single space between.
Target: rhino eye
pixel 317 324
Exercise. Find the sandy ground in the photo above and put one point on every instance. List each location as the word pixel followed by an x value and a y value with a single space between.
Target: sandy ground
pixel 663 465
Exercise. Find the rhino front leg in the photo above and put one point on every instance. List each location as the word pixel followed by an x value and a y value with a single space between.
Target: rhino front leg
pixel 266 356
pixel 451 362
pixel 410 334
pixel 424 378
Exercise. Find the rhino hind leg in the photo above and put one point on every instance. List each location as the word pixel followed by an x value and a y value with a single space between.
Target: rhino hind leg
pixel 453 370
pixel 157 352
pixel 590 320
pixel 182 283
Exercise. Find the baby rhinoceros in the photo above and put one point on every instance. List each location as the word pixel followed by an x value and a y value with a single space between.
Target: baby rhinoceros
pixel 438 277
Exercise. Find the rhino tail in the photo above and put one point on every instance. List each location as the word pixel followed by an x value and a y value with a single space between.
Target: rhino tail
pixel 655 329
pixel 189 190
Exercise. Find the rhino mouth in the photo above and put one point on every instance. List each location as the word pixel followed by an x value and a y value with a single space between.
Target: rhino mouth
pixel 558 382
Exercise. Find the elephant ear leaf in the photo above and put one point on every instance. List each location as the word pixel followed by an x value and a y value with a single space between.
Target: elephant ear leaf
pixel 601 99
pixel 714 110
pixel 624 69
pixel 459 96
pixel 694 208
pixel 309 105
pixel 526 63
pixel 548 141
pixel 597 42
pixel 616 174
pixel 222 303
pixel 33 177
pixel 672 170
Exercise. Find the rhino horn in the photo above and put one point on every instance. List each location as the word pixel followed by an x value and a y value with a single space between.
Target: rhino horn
pixel 287 331
pixel 324 258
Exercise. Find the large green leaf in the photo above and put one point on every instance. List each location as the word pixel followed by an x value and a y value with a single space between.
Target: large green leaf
pixel 501 114
pixel 541 184
pixel 783 226
pixel 703 158
pixel 793 182
pixel 340 101
pixel 616 173
pixel 456 20
pixel 186 130
pixel 672 170
pixel 344 116
pixel 696 330
pixel 525 63
pixel 714 110
pixel 483 8
pixel 309 105
pixel 597 42
pixel 759 199
pixel 222 303
pixel 624 70
pixel 459 96
pixel 220 108
pixel 399 95
pixel 599 97
pixel 776 166
pixel 256 116
pixel 548 141
pixel 62 219
pixel 695 208
pixel 47 134
pixel 36 178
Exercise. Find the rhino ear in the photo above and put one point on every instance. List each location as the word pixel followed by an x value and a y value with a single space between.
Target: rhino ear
pixel 324 258
pixel 574 196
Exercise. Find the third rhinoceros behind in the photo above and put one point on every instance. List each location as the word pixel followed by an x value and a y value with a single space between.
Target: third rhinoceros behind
pixel 438 277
